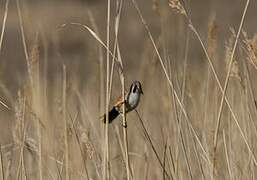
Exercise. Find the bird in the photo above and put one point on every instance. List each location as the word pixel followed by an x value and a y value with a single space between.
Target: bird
pixel 132 99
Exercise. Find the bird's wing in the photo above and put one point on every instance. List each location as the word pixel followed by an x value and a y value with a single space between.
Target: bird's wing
pixel 120 101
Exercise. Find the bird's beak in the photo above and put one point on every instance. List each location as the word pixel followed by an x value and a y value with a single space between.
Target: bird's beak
pixel 142 92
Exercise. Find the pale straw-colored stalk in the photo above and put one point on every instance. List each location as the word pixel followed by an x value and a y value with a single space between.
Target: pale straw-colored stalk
pixel 4 23
pixel 106 174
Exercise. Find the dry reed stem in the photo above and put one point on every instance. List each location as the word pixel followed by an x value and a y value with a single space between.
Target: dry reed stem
pixel 5 105
pixel 226 85
pixel 185 69
pixel 219 85
pixel 7 169
pixel 106 173
pixel 122 79
pixel 181 136
pixel 168 79
pixel 221 89
pixel 164 161
pixel 79 144
pixel 250 85
pixel 101 65
pixel 226 153
pixel 31 83
pixel 4 23
pixel 86 114
pixel 23 175
pixel 23 36
pixel 171 161
pixel 1 164
pixel 198 160
pixel 35 88
pixel 151 143
pixel 22 118
pixel 124 122
pixel 178 116
pixel 61 168
pixel 93 33
pixel 120 142
pixel 66 145
pixel 182 114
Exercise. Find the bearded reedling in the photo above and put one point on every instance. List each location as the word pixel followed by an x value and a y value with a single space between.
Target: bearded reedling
pixel 132 99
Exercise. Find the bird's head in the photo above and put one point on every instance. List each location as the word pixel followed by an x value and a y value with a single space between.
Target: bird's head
pixel 136 87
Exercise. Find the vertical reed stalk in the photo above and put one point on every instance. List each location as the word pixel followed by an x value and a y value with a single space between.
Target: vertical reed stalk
pixel 226 83
pixel 1 164
pixel 66 145
pixel 106 174
pixel 171 84
pixel 4 23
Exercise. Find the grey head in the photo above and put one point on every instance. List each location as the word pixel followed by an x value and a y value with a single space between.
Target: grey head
pixel 136 87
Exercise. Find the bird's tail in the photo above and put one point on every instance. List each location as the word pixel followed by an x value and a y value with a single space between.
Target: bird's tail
pixel 113 113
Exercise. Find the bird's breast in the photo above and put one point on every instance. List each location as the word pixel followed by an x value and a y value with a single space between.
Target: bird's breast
pixel 133 101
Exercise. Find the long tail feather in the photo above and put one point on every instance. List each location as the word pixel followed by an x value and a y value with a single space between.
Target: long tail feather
pixel 112 115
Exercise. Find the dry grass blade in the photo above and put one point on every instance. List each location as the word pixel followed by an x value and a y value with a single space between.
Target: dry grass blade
pixel 122 79
pixel 164 161
pixel 226 86
pixel 181 136
pixel 22 138
pixel 25 48
pixel 5 105
pixel 79 144
pixel 168 78
pixel 65 77
pixel 1 164
pixel 106 170
pixel 65 131
pixel 226 153
pixel 219 84
pixel 151 144
pixel 4 23
pixel 101 62
pixel 94 34
pixel 91 32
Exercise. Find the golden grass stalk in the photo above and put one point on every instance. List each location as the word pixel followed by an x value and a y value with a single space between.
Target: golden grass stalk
pixel 4 23
pixel 101 64
pixel 106 173
pixel 25 48
pixel 79 142
pixel 5 105
pixel 226 86
pixel 66 145
pixel 152 145
pixel 218 81
pixel 182 138
pixel 169 80
pixel 235 66
pixel 21 137
pixel 227 158
pixel 2 175
pixel 122 79
pixel 33 72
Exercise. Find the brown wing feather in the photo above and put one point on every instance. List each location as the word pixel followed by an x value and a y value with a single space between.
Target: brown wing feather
pixel 120 101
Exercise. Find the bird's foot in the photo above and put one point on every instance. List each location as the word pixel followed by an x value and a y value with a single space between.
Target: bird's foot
pixel 124 125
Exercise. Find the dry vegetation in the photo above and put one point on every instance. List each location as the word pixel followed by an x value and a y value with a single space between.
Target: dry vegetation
pixel 62 63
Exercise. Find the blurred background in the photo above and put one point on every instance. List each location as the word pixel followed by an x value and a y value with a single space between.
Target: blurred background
pixel 52 78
